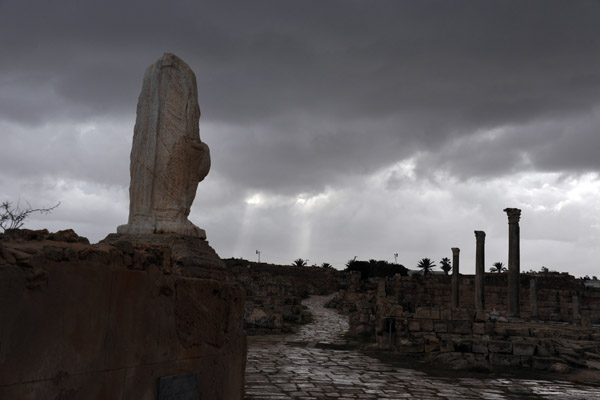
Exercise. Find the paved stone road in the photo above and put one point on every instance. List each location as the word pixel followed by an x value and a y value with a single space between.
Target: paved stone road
pixel 291 367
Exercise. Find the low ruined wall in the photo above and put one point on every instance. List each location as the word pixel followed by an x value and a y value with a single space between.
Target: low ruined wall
pixel 459 336
pixel 82 321
pixel 411 315
pixel 557 295
pixel 274 292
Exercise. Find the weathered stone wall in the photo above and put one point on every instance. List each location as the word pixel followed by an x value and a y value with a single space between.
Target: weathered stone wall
pixel 82 321
pixel 412 315
pixel 555 295
pixel 466 340
pixel 273 293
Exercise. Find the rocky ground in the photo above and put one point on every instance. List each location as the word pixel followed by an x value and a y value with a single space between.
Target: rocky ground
pixel 317 363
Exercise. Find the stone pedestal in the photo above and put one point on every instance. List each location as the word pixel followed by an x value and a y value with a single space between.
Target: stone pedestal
pixel 514 262
pixel 479 271
pixel 111 320
pixel 455 277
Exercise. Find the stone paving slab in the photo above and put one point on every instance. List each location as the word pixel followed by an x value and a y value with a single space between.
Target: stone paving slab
pixel 295 367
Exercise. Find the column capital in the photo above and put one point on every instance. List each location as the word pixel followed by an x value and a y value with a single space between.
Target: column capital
pixel 455 251
pixel 514 214
pixel 480 236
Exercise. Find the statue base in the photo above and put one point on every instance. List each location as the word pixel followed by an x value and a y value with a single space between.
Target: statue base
pixel 185 228
pixel 189 255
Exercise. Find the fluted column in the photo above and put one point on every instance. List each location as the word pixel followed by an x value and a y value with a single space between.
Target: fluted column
pixel 479 271
pixel 455 276
pixel 514 261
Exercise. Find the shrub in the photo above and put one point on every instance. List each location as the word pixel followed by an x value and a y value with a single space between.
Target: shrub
pixel 14 217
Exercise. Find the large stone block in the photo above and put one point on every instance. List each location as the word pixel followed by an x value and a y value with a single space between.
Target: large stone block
pixel 462 327
pixel 463 314
pixel 447 345
pixel 414 326
pixel 463 345
pixel 504 360
pixel 500 329
pixel 521 331
pixel 523 349
pixel 98 328
pixel 427 313
pixel 500 346
pixel 426 325
pixel 566 351
pixel 545 348
pixel 432 343
pixel 545 363
pixel 440 326
pixel 479 328
pixel 446 313
pixel 481 316
pixel 411 348
pixel 480 346
pixel 490 327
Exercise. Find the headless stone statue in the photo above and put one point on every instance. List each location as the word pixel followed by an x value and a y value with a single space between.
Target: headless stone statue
pixel 168 159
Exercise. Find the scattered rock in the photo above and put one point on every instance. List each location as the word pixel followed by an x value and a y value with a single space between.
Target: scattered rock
pixel 67 235
pixel 560 368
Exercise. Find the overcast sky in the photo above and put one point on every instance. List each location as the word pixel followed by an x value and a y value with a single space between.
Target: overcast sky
pixel 337 128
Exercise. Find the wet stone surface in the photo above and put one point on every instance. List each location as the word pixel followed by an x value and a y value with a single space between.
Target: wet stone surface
pixel 303 366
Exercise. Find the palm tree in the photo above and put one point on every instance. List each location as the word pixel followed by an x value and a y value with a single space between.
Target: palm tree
pixel 299 262
pixel 498 267
pixel 426 266
pixel 445 265
pixel 326 265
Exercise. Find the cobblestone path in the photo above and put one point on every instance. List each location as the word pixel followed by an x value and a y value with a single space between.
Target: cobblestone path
pixel 295 367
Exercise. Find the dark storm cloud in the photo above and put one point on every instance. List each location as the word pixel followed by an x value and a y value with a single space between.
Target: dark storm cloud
pixel 566 145
pixel 314 92
pixel 336 128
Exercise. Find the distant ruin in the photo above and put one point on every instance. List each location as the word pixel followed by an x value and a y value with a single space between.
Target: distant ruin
pixel 544 321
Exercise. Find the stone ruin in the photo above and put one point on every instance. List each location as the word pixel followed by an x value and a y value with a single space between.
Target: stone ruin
pixel 148 313
pixel 274 293
pixel 168 159
pixel 544 321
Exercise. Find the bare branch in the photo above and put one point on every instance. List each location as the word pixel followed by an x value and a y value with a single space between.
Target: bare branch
pixel 14 217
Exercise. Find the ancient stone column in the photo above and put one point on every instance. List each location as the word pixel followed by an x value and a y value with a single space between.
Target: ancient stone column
pixel 533 298
pixel 455 276
pixel 479 271
pixel 168 159
pixel 514 262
